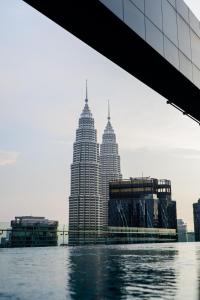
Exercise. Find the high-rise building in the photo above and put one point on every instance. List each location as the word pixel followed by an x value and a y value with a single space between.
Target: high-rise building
pixel 109 164
pixel 85 207
pixel 196 214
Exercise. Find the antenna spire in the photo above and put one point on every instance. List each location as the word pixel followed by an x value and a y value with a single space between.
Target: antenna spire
pixel 86 92
pixel 108 110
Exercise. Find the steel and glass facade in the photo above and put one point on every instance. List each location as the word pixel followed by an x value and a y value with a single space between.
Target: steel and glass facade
pixel 169 26
pixel 136 235
pixel 142 203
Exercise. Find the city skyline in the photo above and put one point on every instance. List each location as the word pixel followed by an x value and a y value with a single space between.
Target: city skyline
pixel 41 98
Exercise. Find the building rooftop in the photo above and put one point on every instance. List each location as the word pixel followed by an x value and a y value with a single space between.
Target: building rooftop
pixel 30 220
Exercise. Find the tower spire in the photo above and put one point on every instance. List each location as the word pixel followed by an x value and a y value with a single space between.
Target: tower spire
pixel 108 110
pixel 86 93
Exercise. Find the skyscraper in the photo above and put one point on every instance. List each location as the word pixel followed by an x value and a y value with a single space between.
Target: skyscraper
pixel 109 164
pixel 85 208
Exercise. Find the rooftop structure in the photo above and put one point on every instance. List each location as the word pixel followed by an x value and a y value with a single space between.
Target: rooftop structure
pixel 30 220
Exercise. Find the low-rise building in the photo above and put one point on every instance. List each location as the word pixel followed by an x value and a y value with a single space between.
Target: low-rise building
pixel 182 231
pixel 190 236
pixel 28 231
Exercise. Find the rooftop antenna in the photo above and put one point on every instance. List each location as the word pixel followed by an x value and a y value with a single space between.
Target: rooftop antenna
pixel 86 92
pixel 108 110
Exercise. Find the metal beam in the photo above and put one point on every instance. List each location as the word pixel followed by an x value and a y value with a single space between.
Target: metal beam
pixel 100 28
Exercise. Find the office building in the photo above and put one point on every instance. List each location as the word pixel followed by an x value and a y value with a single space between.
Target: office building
pixel 142 205
pixel 109 164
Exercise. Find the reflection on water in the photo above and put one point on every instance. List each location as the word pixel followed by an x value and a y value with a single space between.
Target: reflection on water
pixel 118 272
pixel 159 271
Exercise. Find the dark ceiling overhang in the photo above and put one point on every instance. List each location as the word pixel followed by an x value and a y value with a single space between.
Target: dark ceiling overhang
pixel 94 24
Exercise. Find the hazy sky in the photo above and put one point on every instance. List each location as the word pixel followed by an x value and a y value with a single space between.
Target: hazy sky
pixel 42 88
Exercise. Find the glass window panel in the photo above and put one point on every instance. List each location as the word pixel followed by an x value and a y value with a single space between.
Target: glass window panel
pixel 195 44
pixel 169 22
pixel 196 76
pixel 185 66
pixel 171 53
pixel 115 6
pixel 173 2
pixel 184 37
pixel 154 36
pixel 194 23
pixel 154 12
pixel 139 4
pixel 134 18
pixel 183 10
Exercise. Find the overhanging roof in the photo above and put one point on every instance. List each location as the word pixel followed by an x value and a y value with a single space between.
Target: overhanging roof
pixel 93 23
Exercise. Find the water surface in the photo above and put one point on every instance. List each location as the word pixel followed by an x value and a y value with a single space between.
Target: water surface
pixel 145 271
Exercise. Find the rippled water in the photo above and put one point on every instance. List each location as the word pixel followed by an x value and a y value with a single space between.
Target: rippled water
pixel 159 271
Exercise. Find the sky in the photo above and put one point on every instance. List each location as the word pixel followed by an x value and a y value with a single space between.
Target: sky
pixel 43 69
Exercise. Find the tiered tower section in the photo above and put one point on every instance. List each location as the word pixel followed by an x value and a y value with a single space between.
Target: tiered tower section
pixel 109 165
pixel 85 208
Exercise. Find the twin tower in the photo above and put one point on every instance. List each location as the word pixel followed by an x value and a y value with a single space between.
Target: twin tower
pixel 91 173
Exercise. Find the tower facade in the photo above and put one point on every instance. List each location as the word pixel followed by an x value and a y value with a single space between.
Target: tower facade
pixel 85 207
pixel 109 165
pixel 142 202
pixel 196 214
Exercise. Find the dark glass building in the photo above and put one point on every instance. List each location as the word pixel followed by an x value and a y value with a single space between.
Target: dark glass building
pixel 196 213
pixel 142 203
pixel 182 231
pixel 28 231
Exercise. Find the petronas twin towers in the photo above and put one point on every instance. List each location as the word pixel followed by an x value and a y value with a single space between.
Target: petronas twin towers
pixel 91 173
